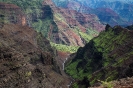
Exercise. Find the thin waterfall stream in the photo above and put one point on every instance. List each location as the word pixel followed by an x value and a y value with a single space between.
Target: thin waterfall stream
pixel 63 68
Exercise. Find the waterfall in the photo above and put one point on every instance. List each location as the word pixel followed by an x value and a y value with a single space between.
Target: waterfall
pixel 64 63
pixel 63 66
pixel 69 84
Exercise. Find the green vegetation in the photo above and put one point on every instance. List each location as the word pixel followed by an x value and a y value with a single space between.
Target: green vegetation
pixel 32 10
pixel 3 17
pixel 59 17
pixel 43 26
pixel 106 84
pixel 85 36
pixel 64 48
pixel 28 6
pixel 73 71
pixel 75 85
pixel 108 50
pixel 28 74
pixel 91 33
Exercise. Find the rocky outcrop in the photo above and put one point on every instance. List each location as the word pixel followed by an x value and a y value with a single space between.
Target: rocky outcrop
pixel 27 60
pixel 10 13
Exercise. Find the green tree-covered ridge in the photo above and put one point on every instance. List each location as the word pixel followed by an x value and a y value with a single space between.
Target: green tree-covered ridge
pixel 104 57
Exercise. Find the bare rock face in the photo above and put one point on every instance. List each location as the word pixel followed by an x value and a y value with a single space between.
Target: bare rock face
pixel 27 60
pixel 10 13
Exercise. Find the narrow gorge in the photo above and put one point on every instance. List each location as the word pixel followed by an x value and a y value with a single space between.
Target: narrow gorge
pixel 66 44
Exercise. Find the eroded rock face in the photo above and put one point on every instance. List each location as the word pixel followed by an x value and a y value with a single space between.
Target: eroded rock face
pixel 10 13
pixel 27 60
pixel 70 24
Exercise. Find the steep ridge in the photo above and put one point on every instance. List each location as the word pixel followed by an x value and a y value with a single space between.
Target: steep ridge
pixel 74 28
pixel 107 15
pixel 120 7
pixel 27 60
pixel 106 57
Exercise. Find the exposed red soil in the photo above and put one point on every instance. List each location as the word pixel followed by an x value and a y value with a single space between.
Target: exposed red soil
pixel 63 55
pixel 68 20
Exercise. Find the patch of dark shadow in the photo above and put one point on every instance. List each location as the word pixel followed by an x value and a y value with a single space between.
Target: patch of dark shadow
pixel 35 60
pixel 42 59
pixel 85 82
pixel 7 55
pixel 37 73
pixel 81 64
pixel 130 27
pixel 14 69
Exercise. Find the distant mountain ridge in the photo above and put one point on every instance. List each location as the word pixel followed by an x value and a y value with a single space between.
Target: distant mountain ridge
pixel 124 9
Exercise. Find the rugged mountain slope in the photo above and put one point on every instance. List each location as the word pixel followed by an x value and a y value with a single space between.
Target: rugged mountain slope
pixel 27 60
pixel 107 15
pixel 59 25
pixel 68 27
pixel 108 56
pixel 121 8
pixel 71 21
